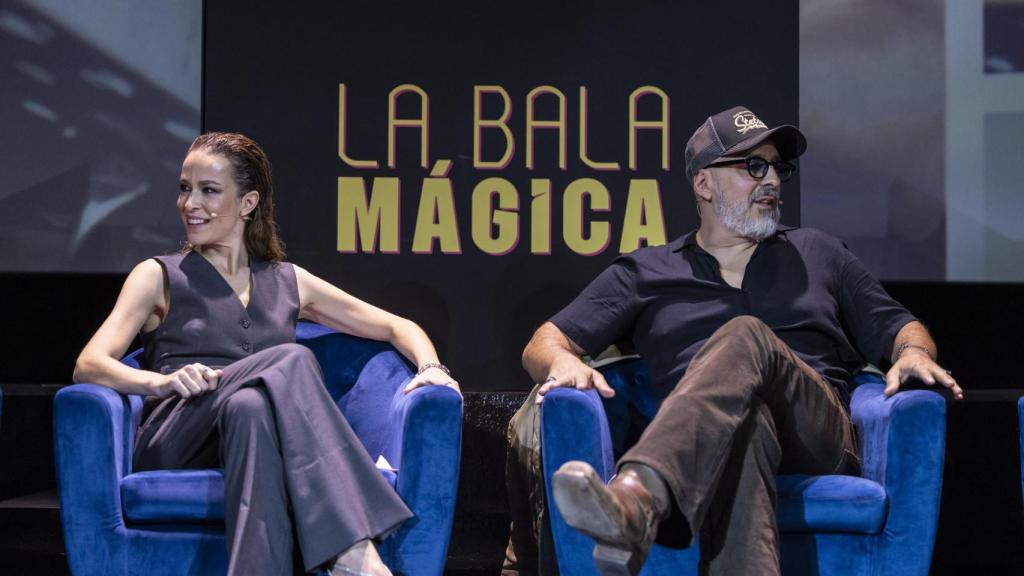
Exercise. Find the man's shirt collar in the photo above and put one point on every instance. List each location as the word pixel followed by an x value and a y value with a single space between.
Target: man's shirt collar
pixel 689 240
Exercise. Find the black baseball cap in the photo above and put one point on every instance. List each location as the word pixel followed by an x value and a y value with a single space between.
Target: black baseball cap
pixel 737 130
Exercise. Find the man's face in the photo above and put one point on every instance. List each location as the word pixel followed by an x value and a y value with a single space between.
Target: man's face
pixel 747 206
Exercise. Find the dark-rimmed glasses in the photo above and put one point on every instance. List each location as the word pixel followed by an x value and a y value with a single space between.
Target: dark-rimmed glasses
pixel 757 167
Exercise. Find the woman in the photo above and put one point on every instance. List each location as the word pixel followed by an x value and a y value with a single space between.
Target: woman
pixel 218 326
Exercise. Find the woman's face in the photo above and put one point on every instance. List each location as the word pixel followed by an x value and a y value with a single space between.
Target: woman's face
pixel 209 202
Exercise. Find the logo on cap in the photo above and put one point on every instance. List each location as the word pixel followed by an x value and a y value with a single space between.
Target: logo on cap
pixel 745 121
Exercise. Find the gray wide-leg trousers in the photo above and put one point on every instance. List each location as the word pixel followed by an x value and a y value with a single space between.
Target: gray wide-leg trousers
pixel 293 467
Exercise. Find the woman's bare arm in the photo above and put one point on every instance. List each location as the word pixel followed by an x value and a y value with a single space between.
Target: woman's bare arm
pixel 326 304
pixel 142 301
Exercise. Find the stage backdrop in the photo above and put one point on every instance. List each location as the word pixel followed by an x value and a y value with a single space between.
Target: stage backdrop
pixel 472 166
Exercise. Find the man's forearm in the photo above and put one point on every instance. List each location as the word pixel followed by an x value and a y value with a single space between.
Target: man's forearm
pixel 546 346
pixel 913 337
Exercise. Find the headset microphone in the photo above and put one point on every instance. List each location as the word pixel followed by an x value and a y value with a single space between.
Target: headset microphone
pixel 214 216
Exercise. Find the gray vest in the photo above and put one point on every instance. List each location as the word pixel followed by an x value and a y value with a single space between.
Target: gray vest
pixel 206 321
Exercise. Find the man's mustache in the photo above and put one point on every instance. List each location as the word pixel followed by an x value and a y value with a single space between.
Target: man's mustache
pixel 766 192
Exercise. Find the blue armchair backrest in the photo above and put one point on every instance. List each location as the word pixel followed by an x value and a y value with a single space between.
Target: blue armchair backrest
pixel 634 404
pixel 365 377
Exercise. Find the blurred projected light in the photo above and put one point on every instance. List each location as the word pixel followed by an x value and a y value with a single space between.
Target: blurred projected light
pixel 36 72
pixel 17 25
pixel 107 80
pixel 114 182
pixel 181 131
pixel 96 200
pixel 40 110
pixel 997 65
pixel 1004 36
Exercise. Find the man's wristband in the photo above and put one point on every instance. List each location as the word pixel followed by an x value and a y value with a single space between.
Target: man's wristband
pixel 430 365
pixel 903 348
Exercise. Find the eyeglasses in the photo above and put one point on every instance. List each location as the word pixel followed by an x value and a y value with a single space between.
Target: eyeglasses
pixel 757 167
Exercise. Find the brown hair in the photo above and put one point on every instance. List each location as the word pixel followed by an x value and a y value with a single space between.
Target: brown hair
pixel 251 172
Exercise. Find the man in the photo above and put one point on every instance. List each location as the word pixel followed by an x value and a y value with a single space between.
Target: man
pixel 752 332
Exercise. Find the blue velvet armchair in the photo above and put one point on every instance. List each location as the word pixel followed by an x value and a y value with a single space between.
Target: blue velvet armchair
pixel 1020 420
pixel 881 523
pixel 171 521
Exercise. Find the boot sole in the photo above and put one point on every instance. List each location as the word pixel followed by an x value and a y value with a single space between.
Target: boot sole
pixel 578 495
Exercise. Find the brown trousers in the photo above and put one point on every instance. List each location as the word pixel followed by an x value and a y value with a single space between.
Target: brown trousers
pixel 293 467
pixel 747 409
pixel 530 550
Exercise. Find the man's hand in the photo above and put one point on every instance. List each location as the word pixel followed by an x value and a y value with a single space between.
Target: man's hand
pixel 187 381
pixel 917 364
pixel 570 372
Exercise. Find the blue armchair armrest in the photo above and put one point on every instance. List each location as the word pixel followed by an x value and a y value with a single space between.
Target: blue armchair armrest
pixel 1020 421
pixel 903 443
pixel 583 413
pixel 93 429
pixel 91 424
pixel 427 446
pixel 567 409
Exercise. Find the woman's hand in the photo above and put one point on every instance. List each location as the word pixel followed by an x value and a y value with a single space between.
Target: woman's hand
pixel 432 377
pixel 187 381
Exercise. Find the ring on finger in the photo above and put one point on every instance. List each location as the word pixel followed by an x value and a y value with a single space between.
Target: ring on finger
pixel 550 379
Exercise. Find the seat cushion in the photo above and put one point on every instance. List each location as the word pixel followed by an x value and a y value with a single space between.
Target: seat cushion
pixel 181 496
pixel 174 496
pixel 830 504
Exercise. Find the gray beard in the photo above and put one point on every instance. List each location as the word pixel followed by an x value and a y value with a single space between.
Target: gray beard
pixel 735 217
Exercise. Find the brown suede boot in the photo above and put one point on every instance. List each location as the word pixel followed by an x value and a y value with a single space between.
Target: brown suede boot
pixel 623 516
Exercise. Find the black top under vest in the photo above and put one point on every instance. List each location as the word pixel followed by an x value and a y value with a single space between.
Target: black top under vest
pixel 206 321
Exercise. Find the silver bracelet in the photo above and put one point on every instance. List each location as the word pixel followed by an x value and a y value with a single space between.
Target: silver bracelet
pixel 430 365
pixel 903 348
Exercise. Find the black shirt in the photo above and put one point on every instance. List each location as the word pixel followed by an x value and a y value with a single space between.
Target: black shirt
pixel 804 284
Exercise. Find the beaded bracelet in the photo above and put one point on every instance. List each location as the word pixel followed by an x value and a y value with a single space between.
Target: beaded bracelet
pixel 430 365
